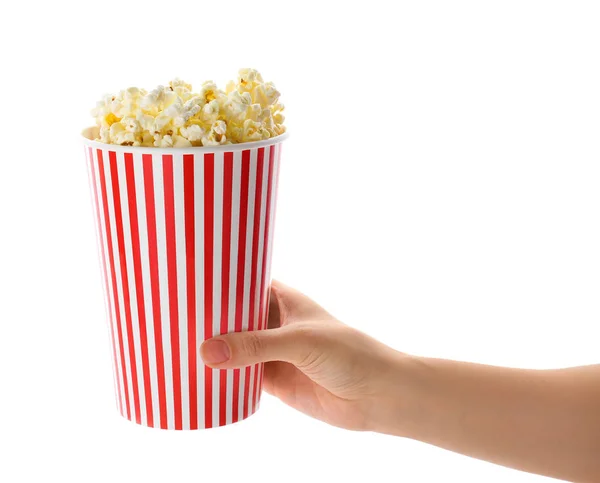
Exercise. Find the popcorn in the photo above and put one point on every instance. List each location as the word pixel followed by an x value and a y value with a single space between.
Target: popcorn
pixel 248 80
pixel 253 131
pixel 175 116
pixel 216 135
pixel 265 94
pixel 211 110
pixel 164 142
pixel 180 142
pixel 193 134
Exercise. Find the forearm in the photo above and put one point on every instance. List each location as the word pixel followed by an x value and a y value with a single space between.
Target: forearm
pixel 545 422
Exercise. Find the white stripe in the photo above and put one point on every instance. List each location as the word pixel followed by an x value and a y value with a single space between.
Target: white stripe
pixel 235 223
pixel 159 204
pixel 181 286
pixel 123 188
pixel 247 295
pixel 261 236
pixel 277 166
pixel 259 277
pixel 267 274
pixel 270 234
pixel 217 262
pixel 247 272
pixel 272 225
pixel 110 296
pixel 120 297
pixel 146 284
pixel 199 232
pixel 251 388
pixel 241 394
pixel 97 212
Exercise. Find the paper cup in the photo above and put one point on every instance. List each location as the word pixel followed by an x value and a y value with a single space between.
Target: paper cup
pixel 185 238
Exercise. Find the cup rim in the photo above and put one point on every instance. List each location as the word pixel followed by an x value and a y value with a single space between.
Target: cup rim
pixel 86 133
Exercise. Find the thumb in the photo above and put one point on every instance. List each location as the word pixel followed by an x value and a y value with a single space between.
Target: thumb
pixel 241 349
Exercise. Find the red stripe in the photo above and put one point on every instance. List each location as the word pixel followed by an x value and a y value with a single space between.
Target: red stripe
pixel 190 252
pixel 246 392
pixel 275 194
pixel 236 396
pixel 172 280
pixel 241 264
pixel 253 265
pixel 225 265
pixel 255 235
pixel 209 195
pixel 105 273
pixel 254 272
pixel 265 281
pixel 268 234
pixel 155 288
pixel 111 259
pixel 124 280
pixel 139 289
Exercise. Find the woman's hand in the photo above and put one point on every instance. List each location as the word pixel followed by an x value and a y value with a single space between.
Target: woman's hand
pixel 545 422
pixel 315 363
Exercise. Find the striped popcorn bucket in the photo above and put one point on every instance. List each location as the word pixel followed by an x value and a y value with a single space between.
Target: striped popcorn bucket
pixel 185 238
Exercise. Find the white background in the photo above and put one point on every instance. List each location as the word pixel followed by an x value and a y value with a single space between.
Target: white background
pixel 439 191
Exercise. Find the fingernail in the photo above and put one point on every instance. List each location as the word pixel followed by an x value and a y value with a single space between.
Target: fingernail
pixel 215 352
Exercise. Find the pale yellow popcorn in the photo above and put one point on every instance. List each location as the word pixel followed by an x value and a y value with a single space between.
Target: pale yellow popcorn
pixel 104 136
pixel 163 141
pixel 236 106
pixel 121 136
pixel 146 121
pixel 174 109
pixel 147 139
pixel 179 83
pixel 170 98
pixel 235 132
pixel 210 111
pixel 180 142
pixel 253 131
pixel 131 125
pixel 133 93
pixel 266 119
pixel 176 116
pixel 278 117
pixel 219 127
pixel 265 94
pixel 195 101
pixel 152 101
pixel 216 135
pixel 254 112
pixel 209 91
pixel 161 123
pixel 192 133
pixel 248 79
pixel 182 89
pixel 115 129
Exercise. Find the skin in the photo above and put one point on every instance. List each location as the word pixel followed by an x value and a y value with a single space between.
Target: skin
pixel 540 421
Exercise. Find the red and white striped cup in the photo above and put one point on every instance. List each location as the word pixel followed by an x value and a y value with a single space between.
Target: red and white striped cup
pixel 185 238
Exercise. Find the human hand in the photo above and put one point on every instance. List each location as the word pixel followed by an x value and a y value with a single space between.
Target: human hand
pixel 314 363
pixel 543 422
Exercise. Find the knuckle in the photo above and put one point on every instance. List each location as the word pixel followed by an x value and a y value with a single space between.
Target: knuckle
pixel 312 354
pixel 252 345
pixel 310 360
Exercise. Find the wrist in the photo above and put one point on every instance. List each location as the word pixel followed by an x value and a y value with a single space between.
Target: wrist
pixel 397 406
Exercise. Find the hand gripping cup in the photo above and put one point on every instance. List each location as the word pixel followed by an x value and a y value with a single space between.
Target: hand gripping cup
pixel 185 240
